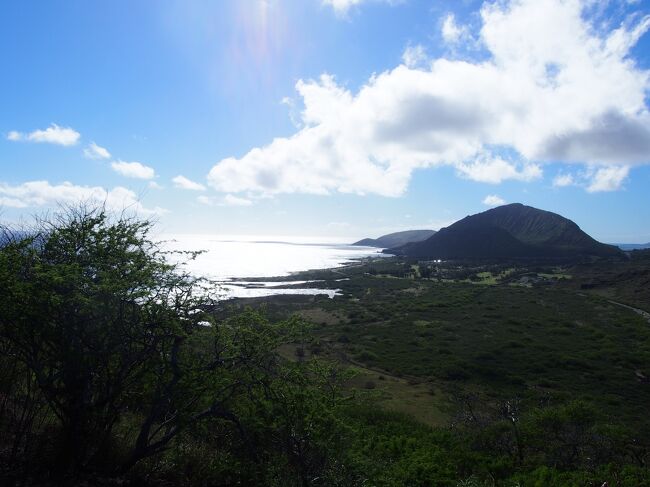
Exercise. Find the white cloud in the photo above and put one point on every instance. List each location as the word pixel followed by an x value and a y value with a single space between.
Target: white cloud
pixel 93 151
pixel 155 185
pixel 184 183
pixel 493 200
pixel 134 170
pixel 451 31
pixel 43 194
pixel 342 7
pixel 495 170
pixel 595 179
pixel 14 136
pixel 554 87
pixel 293 113
pixel 414 55
pixel 563 180
pixel 228 200
pixel 52 135
pixel 607 178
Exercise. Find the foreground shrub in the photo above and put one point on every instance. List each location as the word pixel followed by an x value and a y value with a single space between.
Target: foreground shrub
pixel 116 348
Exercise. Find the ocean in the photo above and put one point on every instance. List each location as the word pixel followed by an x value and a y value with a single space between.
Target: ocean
pixel 229 259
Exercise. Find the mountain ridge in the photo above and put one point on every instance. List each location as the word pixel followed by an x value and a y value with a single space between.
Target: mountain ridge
pixel 396 239
pixel 513 230
pixel 629 247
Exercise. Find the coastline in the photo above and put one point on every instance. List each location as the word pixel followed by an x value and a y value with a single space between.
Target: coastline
pixel 310 282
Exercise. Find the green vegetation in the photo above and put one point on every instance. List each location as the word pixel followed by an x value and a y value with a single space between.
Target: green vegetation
pixel 507 232
pixel 119 369
pixel 505 339
pixel 396 239
pixel 627 282
pixel 114 366
pixel 525 350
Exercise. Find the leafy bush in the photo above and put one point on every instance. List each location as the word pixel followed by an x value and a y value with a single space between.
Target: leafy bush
pixel 114 353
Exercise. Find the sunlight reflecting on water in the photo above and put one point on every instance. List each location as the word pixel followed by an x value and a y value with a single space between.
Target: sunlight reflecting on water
pixel 228 257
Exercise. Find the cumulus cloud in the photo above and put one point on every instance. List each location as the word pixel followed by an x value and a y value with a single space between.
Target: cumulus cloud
pixel 228 200
pixel 342 7
pixel 451 31
pixel 607 178
pixel 184 183
pixel 563 180
pixel 553 87
pixel 52 135
pixel 94 151
pixel 610 139
pixel 595 179
pixel 43 194
pixel 14 136
pixel 414 55
pixel 134 170
pixel 494 170
pixel 493 200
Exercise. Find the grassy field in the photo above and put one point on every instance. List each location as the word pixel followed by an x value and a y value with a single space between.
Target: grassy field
pixel 421 343
pixel 627 282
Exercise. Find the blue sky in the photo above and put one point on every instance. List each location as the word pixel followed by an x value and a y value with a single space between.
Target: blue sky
pixel 328 117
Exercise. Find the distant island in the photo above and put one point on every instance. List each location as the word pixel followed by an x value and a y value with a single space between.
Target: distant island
pixel 508 231
pixel 396 239
pixel 633 246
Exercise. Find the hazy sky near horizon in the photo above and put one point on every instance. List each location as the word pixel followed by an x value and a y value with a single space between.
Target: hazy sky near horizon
pixel 328 117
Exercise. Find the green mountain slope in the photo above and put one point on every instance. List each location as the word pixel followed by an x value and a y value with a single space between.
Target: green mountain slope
pixel 396 239
pixel 514 230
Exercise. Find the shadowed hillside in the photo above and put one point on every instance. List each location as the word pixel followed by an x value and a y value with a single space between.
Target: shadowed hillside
pixel 510 231
pixel 396 239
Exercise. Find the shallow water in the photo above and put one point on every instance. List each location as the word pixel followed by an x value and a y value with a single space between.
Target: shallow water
pixel 235 257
